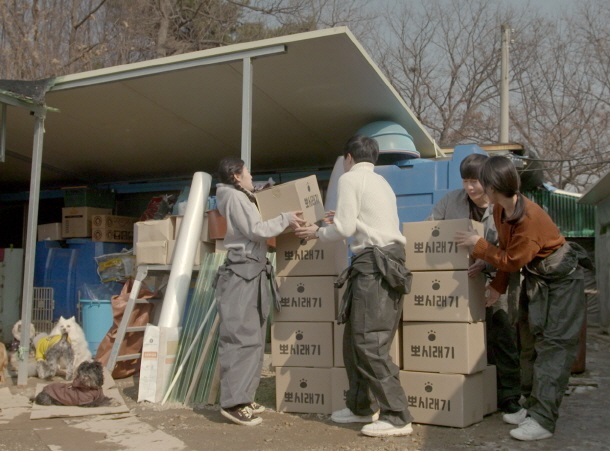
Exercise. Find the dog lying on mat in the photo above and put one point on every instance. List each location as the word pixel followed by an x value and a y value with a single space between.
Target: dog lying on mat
pixel 84 391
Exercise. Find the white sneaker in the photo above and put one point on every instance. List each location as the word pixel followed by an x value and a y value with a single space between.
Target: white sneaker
pixel 384 429
pixel 256 408
pixel 347 416
pixel 530 429
pixel 515 418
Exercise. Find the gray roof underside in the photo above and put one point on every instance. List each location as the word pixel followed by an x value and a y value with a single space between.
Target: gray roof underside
pixel 144 121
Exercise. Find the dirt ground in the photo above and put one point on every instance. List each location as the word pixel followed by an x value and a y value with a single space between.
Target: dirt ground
pixel 583 424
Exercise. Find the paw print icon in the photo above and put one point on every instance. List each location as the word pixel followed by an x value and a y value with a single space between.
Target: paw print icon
pixel 436 231
pixel 436 284
pixel 431 335
pixel 303 383
pixel 299 335
pixel 300 288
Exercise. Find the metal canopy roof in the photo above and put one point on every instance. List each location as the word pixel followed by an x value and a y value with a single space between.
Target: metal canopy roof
pixel 598 192
pixel 173 116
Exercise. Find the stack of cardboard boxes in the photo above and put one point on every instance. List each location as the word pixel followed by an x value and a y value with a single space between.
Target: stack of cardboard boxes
pixel 155 241
pixel 112 228
pixel 302 332
pixel 87 213
pixel 445 375
pixel 302 346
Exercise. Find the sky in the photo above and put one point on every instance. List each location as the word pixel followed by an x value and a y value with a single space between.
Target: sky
pixel 546 6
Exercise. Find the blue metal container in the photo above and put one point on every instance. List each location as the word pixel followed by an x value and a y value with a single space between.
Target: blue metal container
pixel 421 183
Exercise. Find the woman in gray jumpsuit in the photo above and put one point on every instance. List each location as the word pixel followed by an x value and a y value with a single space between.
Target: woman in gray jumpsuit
pixel 244 285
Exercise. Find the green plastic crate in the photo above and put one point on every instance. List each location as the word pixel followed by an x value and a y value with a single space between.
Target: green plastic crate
pixel 88 197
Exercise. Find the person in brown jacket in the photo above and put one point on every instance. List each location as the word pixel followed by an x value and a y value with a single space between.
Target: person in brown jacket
pixel 552 302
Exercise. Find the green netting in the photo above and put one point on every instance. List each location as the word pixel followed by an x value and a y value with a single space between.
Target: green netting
pixel 195 384
pixel 199 305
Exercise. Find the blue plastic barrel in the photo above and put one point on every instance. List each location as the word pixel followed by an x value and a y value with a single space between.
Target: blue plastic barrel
pixel 97 320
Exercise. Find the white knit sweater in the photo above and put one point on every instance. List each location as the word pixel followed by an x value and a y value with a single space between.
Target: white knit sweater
pixel 366 210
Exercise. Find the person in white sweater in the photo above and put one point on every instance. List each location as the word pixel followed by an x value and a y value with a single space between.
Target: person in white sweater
pixel 376 280
pixel 244 285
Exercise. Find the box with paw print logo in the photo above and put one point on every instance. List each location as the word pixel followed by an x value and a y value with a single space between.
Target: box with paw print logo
pixel 307 299
pixel 431 245
pixel 307 344
pixel 444 399
pixel 303 390
pixel 444 347
pixel 449 296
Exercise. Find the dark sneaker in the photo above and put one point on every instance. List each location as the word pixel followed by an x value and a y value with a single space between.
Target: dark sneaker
pixel 256 408
pixel 241 415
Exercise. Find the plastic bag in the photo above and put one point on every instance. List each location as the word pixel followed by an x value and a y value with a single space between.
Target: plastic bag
pixel 100 291
pixel 159 207
pixel 118 267
pixel 180 206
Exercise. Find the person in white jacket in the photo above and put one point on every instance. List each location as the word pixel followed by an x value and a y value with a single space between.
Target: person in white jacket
pixel 244 285
pixel 376 281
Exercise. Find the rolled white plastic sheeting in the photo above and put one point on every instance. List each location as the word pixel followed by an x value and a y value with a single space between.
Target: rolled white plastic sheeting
pixel 184 252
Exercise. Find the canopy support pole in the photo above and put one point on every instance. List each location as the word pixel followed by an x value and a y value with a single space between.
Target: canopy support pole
pixel 30 247
pixel 246 114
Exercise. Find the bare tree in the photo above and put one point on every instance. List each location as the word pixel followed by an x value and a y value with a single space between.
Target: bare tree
pixel 42 38
pixel 561 99
pixel 444 58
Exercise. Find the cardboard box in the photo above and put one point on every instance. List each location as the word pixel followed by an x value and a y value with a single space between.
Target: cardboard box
pixel 220 246
pixel 297 195
pixel 111 235
pixel 159 352
pixel 113 222
pixel 155 230
pixel 162 252
pixel 303 390
pixel 445 296
pixel 444 347
pixel 205 234
pixel 444 399
pixel 205 230
pixel 312 258
pixel 217 225
pixel 339 388
pixel 50 231
pixel 205 249
pixel 395 349
pixel 490 390
pixel 431 244
pixel 302 344
pixel 76 221
pixel 307 298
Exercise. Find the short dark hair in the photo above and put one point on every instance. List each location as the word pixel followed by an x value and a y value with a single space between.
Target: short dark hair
pixel 499 173
pixel 362 149
pixel 470 167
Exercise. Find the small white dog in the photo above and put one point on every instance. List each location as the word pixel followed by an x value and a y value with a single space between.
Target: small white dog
pixel 77 339
pixel 13 350
pixel 17 334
